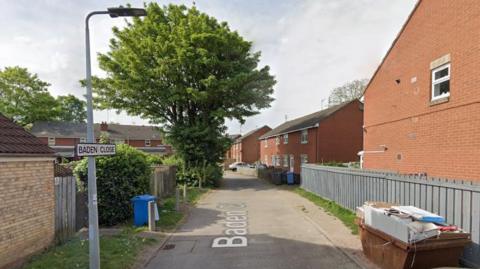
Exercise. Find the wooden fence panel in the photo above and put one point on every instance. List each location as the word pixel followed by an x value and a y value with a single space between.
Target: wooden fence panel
pixel 458 201
pixel 65 208
pixel 163 181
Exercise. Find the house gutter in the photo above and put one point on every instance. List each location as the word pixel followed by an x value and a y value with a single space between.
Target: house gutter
pixel 289 132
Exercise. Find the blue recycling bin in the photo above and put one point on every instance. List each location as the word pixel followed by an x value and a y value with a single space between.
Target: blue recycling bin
pixel 290 178
pixel 140 209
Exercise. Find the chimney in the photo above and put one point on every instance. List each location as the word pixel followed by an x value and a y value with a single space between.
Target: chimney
pixel 103 126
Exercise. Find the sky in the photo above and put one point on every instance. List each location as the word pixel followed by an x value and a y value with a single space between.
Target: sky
pixel 312 46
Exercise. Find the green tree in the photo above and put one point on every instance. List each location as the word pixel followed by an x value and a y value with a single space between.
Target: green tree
pixel 24 97
pixel 347 92
pixel 187 71
pixel 71 109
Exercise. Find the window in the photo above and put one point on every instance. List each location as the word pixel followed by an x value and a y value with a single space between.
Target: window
pixel 265 143
pixel 83 140
pixel 285 160
pixel 277 140
pixel 285 139
pixel 119 141
pixel 441 82
pixel 304 158
pixel 273 160
pixel 266 160
pixel 304 137
pixel 51 141
pixel 147 143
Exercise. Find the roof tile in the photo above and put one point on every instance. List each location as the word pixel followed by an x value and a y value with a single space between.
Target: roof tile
pixel 15 140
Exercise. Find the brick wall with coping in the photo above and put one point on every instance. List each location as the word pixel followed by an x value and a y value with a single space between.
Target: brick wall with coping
pixel 27 209
pixel 440 139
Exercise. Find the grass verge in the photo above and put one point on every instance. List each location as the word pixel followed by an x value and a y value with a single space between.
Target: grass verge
pixel 344 215
pixel 169 218
pixel 116 252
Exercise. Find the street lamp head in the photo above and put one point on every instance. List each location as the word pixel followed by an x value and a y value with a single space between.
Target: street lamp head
pixel 126 12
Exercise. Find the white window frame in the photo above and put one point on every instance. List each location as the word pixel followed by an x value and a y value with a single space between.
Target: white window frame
pixel 51 141
pixel 304 136
pixel 303 158
pixel 440 80
pixel 286 160
pixel 148 143
pixel 266 143
pixel 83 140
pixel 274 160
pixel 277 140
pixel 285 139
pixel 266 159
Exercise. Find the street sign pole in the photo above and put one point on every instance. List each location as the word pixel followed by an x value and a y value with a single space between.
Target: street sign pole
pixel 94 246
pixel 93 236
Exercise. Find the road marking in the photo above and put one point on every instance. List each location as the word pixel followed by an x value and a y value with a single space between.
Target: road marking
pixel 236 222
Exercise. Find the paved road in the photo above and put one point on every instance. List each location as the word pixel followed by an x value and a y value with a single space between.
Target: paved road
pixel 278 234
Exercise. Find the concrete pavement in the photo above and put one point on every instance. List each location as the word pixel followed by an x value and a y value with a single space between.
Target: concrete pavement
pixel 250 224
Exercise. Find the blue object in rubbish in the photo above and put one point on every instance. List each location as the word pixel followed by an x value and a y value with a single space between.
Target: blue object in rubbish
pixel 290 178
pixel 140 209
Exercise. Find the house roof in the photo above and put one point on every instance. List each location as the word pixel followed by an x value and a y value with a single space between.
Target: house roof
pixel 305 122
pixel 233 136
pixel 15 141
pixel 78 130
pixel 393 44
pixel 239 139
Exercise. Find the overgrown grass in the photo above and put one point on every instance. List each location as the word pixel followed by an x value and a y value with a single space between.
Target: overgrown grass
pixel 169 218
pixel 116 252
pixel 343 214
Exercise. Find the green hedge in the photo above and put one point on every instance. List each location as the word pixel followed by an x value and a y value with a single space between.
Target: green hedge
pixel 119 178
pixel 210 174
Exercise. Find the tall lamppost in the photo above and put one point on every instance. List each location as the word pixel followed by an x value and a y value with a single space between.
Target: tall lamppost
pixel 93 237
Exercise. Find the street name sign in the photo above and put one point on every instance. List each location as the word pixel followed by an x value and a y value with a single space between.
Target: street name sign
pixel 89 149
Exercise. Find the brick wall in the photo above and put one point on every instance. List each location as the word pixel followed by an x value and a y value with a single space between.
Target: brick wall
pixel 340 136
pixel 294 147
pixel 438 139
pixel 26 208
pixel 141 143
pixel 250 146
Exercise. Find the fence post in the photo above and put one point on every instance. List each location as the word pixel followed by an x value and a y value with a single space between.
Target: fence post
pixel 151 216
pixel 177 198
pixel 185 192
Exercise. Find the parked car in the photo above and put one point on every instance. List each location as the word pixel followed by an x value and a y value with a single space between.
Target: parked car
pixel 235 165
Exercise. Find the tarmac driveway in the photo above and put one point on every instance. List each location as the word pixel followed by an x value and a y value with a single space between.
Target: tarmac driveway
pixel 249 224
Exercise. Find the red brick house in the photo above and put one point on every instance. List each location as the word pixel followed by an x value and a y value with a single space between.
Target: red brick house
pixel 332 134
pixel 422 106
pixel 228 154
pixel 63 136
pixel 27 198
pixel 246 148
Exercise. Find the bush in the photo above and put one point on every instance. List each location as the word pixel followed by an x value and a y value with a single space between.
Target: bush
pixel 334 163
pixel 119 178
pixel 209 173
pixel 154 159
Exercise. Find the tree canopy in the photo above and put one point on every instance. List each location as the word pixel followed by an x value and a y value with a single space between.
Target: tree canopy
pixel 189 72
pixel 25 99
pixel 71 108
pixel 347 92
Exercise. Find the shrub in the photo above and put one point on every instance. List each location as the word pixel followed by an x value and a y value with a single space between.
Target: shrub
pixel 334 163
pixel 210 174
pixel 119 178
pixel 154 159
